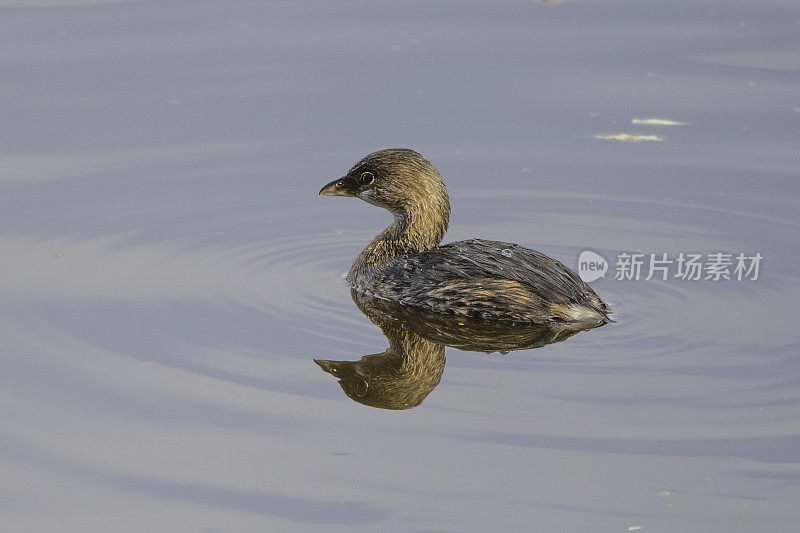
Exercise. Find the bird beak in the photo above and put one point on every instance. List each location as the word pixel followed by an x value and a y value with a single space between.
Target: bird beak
pixel 340 187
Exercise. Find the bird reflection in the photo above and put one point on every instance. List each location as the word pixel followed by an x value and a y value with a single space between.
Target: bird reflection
pixel 410 368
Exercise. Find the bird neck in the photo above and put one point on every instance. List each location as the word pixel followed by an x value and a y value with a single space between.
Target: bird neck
pixel 411 232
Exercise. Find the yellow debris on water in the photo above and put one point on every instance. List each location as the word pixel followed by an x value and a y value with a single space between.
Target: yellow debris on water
pixel 627 137
pixel 657 122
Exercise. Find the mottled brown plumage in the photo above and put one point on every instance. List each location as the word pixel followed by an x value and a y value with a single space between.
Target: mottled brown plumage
pixel 475 278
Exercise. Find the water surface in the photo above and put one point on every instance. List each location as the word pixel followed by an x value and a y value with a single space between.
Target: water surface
pixel 169 272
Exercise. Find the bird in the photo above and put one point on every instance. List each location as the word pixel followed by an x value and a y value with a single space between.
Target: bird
pixel 474 278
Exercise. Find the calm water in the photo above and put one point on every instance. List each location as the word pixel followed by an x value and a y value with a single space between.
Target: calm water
pixel 168 273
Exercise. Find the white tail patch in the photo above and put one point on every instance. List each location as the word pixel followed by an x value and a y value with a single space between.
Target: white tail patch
pixel 578 313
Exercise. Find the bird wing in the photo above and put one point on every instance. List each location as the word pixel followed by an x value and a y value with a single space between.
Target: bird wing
pixel 494 260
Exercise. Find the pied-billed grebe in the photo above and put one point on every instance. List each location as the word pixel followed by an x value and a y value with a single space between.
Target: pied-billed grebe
pixel 475 278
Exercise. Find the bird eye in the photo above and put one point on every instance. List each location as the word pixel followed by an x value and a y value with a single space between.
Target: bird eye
pixel 367 178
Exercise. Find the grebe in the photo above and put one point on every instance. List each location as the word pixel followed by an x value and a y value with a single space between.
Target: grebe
pixel 476 278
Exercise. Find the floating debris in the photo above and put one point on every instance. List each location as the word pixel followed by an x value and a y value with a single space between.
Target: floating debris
pixel 627 137
pixel 657 122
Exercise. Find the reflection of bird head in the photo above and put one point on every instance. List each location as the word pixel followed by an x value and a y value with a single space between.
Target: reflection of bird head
pixel 353 383
pixel 399 378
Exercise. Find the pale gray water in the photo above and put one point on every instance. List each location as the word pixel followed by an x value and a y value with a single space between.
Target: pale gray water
pixel 168 272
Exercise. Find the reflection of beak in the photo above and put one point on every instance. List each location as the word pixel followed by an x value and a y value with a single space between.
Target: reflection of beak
pixel 340 187
pixel 345 370
pixel 331 367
